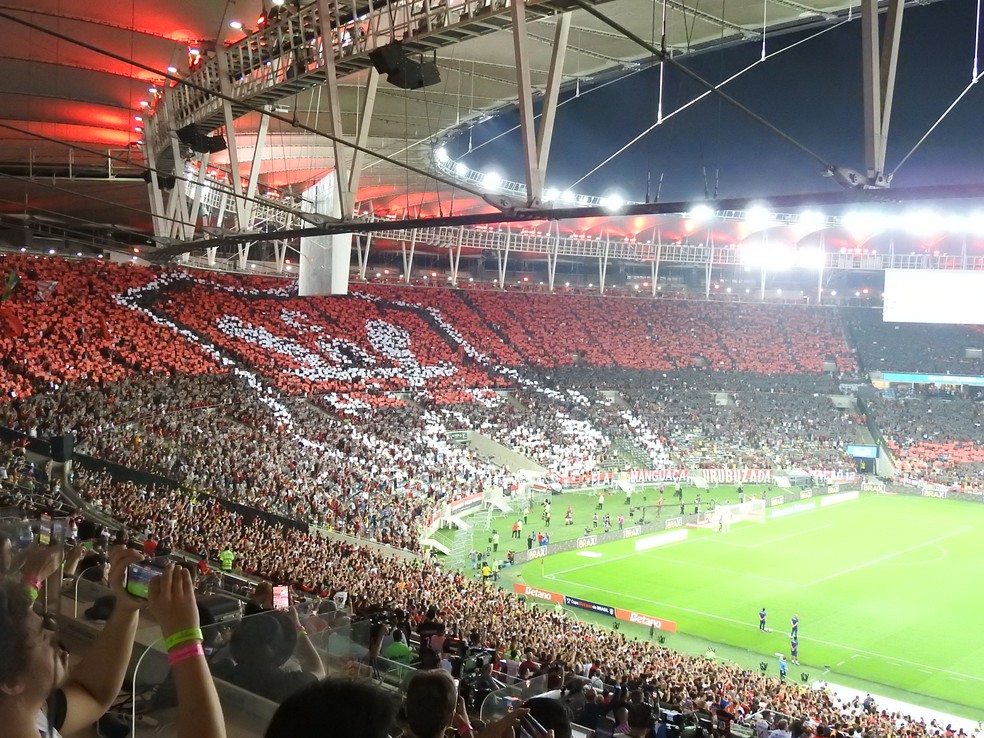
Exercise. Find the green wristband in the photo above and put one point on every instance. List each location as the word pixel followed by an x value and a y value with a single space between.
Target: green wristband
pixel 183 636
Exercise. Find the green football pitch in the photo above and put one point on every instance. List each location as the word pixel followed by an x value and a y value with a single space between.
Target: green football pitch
pixel 888 589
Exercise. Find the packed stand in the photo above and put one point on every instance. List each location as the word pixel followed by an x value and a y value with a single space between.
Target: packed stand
pixel 934 436
pixel 213 433
pixel 526 640
pixel 913 347
pixel 697 428
pixel 352 344
pixel 61 324
pixel 551 331
pixel 550 428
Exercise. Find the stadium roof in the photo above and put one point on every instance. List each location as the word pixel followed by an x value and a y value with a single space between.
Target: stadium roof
pixel 76 79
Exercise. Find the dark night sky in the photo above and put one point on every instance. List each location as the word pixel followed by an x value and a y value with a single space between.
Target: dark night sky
pixel 812 92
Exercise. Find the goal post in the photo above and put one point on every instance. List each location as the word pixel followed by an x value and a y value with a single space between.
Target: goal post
pixel 724 515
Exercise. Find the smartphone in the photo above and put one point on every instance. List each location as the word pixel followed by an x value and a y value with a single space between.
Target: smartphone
pixel 139 577
pixel 58 529
pixel 281 598
pixel 44 532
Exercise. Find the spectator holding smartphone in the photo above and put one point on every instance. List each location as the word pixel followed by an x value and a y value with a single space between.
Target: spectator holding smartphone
pixel 172 602
pixel 34 667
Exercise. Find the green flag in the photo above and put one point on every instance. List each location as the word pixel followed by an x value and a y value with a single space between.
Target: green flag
pixel 12 281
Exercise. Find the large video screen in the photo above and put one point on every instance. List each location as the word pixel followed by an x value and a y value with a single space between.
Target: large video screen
pixel 922 296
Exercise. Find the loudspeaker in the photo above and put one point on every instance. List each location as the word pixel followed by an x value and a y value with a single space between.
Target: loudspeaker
pixel 215 144
pixel 164 181
pixel 193 137
pixel 190 135
pixel 387 59
pixel 401 70
pixel 413 75
pixel 62 447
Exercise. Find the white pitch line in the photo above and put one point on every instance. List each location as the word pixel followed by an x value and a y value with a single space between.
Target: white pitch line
pixel 769 580
pixel 624 556
pixel 858 652
pixel 866 564
pixel 717 539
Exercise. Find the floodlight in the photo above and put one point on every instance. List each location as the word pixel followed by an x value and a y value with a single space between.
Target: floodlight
pixel 567 196
pixel 460 169
pixel 758 217
pixel 550 195
pixel 922 222
pixel 441 153
pixel 866 222
pixel 701 212
pixel 235 25
pixel 492 180
pixel 613 203
pixel 811 220
pixel 954 223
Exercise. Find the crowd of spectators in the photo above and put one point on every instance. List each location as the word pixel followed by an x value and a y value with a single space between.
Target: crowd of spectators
pixel 337 412
pixel 69 328
pixel 914 347
pixel 759 430
pixel 527 639
pixel 934 436
pixel 212 433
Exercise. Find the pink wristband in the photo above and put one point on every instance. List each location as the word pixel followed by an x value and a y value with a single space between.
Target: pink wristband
pixel 184 653
pixel 31 582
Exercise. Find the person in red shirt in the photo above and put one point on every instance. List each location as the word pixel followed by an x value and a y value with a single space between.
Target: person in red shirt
pixel 150 546
pixel 527 666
